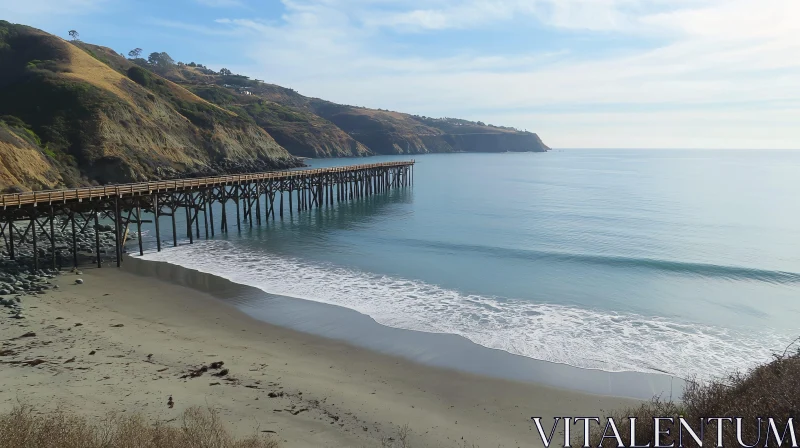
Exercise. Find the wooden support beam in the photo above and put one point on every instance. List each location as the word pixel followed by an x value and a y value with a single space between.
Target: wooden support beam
pixel 139 229
pixel 210 200
pixel 223 225
pixel 238 218
pixel 299 203
pixel 156 215
pixel 258 204
pixel 35 247
pixel 74 240
pixel 53 237
pixel 188 223
pixel 11 253
pixel 174 227
pixel 118 230
pixel 203 195
pixel 97 237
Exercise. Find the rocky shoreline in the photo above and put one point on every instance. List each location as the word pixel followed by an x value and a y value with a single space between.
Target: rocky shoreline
pixel 19 279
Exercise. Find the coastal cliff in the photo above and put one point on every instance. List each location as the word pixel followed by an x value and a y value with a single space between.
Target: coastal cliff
pixel 69 119
pixel 73 113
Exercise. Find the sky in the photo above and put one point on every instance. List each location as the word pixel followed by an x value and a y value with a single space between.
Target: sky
pixel 580 73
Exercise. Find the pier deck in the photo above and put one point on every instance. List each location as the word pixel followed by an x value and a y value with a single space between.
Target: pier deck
pixel 27 217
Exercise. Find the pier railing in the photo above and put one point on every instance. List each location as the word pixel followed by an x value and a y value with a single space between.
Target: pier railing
pixel 109 191
pixel 57 218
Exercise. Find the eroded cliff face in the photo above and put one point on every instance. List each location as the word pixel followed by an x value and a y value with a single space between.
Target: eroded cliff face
pixel 388 132
pixel 76 113
pixel 505 142
pixel 92 124
pixel 23 163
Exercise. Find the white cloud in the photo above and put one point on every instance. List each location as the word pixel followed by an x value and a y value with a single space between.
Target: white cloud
pixel 724 65
pixel 720 68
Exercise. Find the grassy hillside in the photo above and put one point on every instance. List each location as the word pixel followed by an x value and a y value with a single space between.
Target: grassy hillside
pixel 76 113
pixel 387 132
pixel 313 127
pixel 22 162
pixel 94 123
pixel 302 133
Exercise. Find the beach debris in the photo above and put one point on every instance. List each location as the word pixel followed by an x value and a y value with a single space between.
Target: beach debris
pixel 78 324
pixel 8 352
pixel 275 394
pixel 29 334
pixel 78 281
pixel 170 403
pixel 117 325
pixel 149 358
pixel 92 352
pixel 214 384
pixel 162 370
pixel 297 411
pixel 198 371
pixel 34 362
pixel 194 373
pixel 70 360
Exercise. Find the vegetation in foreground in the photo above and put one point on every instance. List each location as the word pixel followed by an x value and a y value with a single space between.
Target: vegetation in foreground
pixel 768 390
pixel 199 428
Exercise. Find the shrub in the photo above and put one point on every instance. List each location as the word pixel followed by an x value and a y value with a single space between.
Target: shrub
pixel 769 390
pixel 140 76
pixel 23 428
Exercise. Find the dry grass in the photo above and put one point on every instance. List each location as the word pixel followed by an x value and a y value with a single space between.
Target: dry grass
pixel 85 68
pixel 199 428
pixel 23 164
pixel 769 390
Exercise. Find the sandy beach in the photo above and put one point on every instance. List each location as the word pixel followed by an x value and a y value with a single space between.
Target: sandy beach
pixel 123 342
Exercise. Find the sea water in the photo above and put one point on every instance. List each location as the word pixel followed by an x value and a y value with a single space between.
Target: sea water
pixel 675 261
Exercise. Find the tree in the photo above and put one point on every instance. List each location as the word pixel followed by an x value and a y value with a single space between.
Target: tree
pixel 136 53
pixel 225 72
pixel 74 34
pixel 161 60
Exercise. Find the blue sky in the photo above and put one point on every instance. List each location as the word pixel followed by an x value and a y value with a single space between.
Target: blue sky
pixel 581 73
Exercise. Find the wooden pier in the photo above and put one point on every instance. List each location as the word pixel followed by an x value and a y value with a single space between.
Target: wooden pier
pixel 255 197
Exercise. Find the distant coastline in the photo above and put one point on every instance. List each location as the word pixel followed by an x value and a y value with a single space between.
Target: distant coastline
pixel 157 118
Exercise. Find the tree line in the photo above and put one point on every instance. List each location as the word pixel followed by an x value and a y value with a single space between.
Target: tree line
pixel 163 61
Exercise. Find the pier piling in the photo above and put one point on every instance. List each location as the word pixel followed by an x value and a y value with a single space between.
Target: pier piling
pixel 314 188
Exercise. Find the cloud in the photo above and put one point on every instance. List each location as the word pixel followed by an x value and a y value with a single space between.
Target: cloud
pixel 705 72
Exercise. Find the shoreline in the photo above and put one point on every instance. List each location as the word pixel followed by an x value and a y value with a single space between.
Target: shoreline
pixel 93 341
pixel 441 350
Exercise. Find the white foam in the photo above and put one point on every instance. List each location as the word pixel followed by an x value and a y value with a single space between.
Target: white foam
pixel 578 337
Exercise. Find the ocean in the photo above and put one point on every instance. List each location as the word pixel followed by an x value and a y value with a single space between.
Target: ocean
pixel 673 261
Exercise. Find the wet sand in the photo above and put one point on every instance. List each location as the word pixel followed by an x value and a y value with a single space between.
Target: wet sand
pixel 122 342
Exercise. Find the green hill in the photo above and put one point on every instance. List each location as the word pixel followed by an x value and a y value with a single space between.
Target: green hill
pixel 90 123
pixel 73 113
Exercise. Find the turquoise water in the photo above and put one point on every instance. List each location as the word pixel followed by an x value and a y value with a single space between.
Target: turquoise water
pixel 684 262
